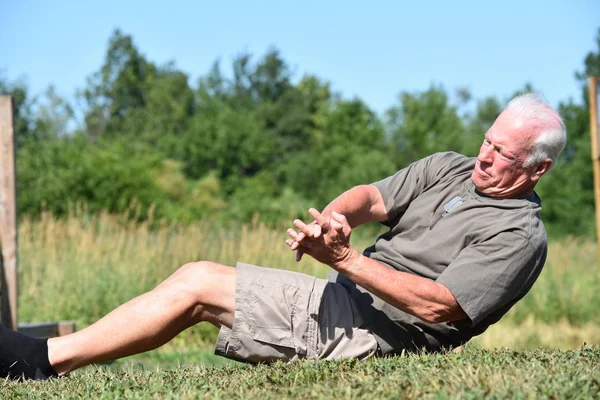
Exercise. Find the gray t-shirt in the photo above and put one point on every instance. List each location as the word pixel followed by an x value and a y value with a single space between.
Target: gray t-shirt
pixel 487 252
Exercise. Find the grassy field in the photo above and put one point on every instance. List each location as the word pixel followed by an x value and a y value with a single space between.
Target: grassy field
pixel 80 268
pixel 473 373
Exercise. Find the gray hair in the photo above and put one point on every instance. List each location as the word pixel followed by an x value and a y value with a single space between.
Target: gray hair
pixel 552 136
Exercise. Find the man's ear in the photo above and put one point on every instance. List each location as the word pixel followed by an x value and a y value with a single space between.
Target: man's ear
pixel 541 169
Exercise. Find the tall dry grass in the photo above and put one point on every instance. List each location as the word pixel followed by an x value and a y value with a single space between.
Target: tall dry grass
pixel 81 267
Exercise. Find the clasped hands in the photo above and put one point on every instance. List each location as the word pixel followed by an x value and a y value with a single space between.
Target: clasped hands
pixel 326 239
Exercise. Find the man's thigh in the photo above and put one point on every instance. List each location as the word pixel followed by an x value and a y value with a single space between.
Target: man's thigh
pixel 285 315
pixel 341 331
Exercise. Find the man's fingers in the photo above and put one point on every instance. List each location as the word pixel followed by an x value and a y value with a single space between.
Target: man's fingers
pixel 292 243
pixel 321 220
pixel 305 229
pixel 316 228
pixel 339 218
pixel 293 234
pixel 312 230
pixel 341 223
pixel 300 237
pixel 337 226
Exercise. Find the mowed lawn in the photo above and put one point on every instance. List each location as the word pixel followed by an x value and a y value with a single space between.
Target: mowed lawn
pixel 80 268
pixel 472 373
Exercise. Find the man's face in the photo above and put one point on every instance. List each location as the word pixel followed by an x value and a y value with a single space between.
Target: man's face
pixel 499 170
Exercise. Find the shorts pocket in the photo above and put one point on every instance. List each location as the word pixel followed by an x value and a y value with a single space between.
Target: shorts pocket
pixel 277 318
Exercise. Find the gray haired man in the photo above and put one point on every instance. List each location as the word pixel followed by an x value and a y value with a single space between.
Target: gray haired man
pixel 465 243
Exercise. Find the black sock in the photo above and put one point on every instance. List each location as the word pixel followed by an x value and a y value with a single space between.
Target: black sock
pixel 24 357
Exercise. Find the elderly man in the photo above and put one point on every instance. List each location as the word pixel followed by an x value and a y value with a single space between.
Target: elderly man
pixel 465 243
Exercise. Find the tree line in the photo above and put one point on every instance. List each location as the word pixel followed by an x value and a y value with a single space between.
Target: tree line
pixel 256 142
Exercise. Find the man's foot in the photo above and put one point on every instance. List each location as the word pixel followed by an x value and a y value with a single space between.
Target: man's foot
pixel 23 357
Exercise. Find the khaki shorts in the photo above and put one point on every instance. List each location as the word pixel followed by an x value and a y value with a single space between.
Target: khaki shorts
pixel 285 315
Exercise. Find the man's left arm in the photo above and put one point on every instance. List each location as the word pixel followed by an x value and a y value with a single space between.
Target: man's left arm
pixel 425 299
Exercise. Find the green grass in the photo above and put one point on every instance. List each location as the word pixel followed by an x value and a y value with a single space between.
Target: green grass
pixel 80 268
pixel 472 373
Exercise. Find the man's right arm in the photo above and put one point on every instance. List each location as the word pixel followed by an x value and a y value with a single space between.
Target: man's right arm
pixel 360 204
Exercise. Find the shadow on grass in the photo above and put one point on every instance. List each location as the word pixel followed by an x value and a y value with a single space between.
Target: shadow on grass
pixel 171 359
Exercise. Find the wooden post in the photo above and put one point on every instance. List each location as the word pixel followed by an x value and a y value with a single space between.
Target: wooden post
pixel 8 215
pixel 593 90
pixel 8 235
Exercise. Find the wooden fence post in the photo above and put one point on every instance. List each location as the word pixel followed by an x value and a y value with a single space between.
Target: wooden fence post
pixel 593 90
pixel 9 232
pixel 8 216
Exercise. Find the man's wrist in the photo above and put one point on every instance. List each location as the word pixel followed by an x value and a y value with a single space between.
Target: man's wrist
pixel 349 262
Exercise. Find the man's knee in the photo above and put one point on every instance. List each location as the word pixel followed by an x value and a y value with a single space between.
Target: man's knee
pixel 203 279
pixel 209 288
pixel 200 269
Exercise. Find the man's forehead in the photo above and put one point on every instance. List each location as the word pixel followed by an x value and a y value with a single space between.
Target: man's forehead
pixel 509 129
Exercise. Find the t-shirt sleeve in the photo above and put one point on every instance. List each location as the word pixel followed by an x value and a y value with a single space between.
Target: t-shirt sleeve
pixel 488 275
pixel 405 185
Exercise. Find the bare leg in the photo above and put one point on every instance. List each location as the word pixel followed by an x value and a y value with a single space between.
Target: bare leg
pixel 196 292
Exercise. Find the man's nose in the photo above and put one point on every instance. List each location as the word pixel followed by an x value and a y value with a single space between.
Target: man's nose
pixel 486 153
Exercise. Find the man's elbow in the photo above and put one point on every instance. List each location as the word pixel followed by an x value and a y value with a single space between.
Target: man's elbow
pixel 433 317
pixel 438 315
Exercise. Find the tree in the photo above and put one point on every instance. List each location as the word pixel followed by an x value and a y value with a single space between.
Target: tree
pixel 425 123
pixel 115 95
pixel 350 152
pixel 22 108
pixel 169 107
pixel 53 115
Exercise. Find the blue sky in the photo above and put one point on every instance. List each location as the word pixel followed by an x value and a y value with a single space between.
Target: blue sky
pixel 372 50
